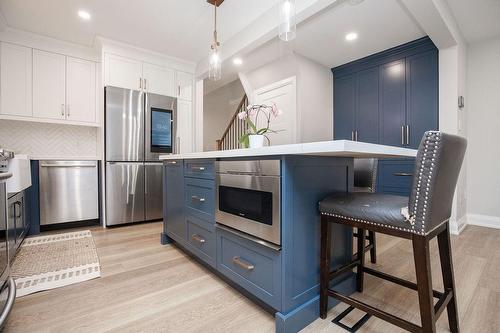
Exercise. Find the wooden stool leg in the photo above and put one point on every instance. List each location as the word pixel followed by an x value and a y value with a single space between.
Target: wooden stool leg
pixel 448 278
pixel 361 258
pixel 373 250
pixel 422 259
pixel 324 266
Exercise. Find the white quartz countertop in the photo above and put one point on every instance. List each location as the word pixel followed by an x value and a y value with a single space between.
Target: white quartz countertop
pixel 339 148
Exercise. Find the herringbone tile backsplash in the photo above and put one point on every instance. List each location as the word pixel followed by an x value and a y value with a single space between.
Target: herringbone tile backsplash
pixel 48 140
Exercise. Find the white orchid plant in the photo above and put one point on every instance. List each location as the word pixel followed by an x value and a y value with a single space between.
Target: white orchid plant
pixel 251 116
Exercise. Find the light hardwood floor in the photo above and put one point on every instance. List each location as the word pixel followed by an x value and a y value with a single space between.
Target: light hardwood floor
pixel 147 287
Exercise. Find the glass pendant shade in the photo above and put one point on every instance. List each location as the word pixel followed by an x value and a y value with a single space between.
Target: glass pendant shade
pixel 288 20
pixel 215 65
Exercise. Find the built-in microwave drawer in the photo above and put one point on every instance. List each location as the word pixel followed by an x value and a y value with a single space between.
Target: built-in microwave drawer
pixel 201 238
pixel 200 198
pixel 199 169
pixel 255 267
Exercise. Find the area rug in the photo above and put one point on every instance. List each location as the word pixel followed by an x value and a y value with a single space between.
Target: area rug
pixel 53 261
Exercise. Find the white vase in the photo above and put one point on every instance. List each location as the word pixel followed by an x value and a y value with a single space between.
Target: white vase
pixel 256 141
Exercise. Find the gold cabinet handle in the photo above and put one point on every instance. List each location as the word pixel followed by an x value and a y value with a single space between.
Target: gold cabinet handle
pixel 245 265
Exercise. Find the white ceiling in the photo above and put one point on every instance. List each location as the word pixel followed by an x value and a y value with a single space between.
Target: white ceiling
pixel 179 28
pixel 477 19
pixel 380 24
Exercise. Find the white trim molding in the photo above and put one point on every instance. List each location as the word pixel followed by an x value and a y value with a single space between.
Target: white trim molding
pixel 457 226
pixel 484 220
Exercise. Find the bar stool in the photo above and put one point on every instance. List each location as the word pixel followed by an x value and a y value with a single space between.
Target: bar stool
pixel 365 180
pixel 419 218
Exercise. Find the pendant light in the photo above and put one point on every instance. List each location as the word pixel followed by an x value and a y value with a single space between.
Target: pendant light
pixel 288 21
pixel 214 65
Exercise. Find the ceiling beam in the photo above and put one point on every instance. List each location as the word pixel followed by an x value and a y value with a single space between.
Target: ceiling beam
pixel 212 2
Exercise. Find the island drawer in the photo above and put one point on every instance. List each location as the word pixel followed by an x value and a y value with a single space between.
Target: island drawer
pixel 395 176
pixel 199 169
pixel 201 239
pixel 200 198
pixel 255 267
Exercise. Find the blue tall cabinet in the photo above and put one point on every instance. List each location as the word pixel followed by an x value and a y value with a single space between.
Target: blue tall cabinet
pixel 389 98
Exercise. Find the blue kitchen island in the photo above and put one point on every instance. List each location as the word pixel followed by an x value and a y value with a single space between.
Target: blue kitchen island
pixel 281 273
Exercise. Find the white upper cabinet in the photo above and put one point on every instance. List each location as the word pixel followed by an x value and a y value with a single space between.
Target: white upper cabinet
pixel 49 86
pixel 80 90
pixel 185 126
pixel 184 86
pixel 122 72
pixel 158 79
pixel 15 80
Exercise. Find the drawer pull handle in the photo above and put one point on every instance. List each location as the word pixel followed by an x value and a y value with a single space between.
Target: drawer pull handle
pixel 199 169
pixel 197 198
pixel 171 163
pixel 198 238
pixel 403 174
pixel 243 264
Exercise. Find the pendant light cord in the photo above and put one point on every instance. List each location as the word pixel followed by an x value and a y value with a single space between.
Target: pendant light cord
pixel 216 43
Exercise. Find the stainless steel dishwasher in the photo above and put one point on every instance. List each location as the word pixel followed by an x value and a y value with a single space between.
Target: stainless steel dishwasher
pixel 68 191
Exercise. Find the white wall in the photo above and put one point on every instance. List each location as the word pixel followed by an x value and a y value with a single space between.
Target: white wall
pixel 218 108
pixel 314 92
pixel 483 132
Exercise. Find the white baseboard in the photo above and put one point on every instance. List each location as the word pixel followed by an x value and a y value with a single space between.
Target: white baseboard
pixel 457 226
pixel 484 220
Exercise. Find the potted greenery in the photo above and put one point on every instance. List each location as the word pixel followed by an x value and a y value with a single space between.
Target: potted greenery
pixel 254 137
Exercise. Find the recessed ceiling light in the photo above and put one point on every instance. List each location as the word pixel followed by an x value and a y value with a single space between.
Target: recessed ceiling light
pixel 351 36
pixel 237 61
pixel 84 15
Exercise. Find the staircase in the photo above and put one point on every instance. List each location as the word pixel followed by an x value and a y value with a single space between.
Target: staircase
pixel 235 129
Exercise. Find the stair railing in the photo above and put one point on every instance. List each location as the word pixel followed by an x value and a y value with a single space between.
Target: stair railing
pixel 235 129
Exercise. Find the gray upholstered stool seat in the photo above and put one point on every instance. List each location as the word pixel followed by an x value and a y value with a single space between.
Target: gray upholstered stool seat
pixel 371 208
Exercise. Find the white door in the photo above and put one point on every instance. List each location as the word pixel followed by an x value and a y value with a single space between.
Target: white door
pixel 185 126
pixel 49 87
pixel 16 79
pixel 80 90
pixel 283 93
pixel 158 80
pixel 184 86
pixel 122 72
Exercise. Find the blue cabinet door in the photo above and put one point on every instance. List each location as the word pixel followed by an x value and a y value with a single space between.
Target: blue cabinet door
pixel 392 103
pixel 173 201
pixel 421 96
pixel 344 107
pixel 367 119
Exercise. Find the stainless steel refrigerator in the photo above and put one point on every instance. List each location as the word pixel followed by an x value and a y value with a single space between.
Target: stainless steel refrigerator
pixel 139 127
